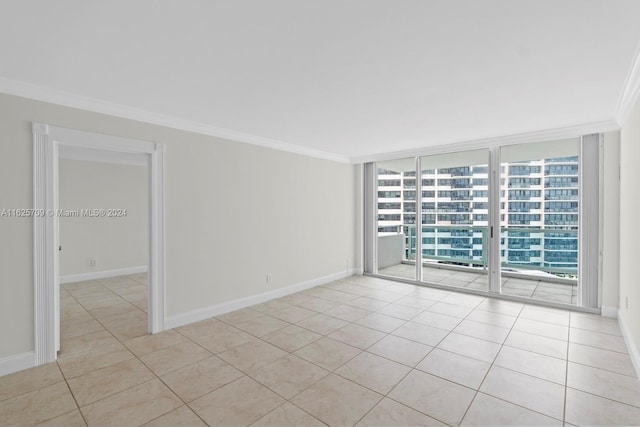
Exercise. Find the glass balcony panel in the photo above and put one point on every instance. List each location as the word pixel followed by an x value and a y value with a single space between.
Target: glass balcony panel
pixel 454 239
pixel 539 240
pixel 396 218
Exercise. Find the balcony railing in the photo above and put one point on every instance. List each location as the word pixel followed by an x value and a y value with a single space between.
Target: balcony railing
pixel 477 254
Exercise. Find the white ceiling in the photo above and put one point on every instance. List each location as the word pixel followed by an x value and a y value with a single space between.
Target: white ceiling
pixel 350 78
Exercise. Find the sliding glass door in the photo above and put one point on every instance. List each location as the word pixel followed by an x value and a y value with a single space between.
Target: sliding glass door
pixel 539 210
pixel 507 220
pixel 396 218
pixel 455 215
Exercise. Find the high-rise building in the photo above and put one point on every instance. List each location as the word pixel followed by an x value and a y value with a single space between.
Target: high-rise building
pixel 538 213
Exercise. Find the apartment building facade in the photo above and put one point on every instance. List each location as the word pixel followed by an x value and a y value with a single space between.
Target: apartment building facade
pixel 538 213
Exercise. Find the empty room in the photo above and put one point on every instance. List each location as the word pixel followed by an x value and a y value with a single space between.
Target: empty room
pixel 319 213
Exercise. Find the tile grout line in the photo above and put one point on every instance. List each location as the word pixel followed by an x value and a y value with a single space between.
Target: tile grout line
pixel 411 368
pixel 158 376
pixel 291 403
pixel 414 367
pixel 566 376
pixel 386 396
pixel 67 382
pixel 490 366
pixel 343 364
pixel 493 363
pixel 65 377
pixel 603 369
pixel 135 356
pixel 248 374
pixel 605 398
pixel 386 334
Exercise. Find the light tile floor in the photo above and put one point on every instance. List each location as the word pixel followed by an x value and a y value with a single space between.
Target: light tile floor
pixel 539 289
pixel 359 351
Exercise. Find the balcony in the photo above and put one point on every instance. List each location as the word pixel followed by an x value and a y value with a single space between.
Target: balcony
pixel 446 264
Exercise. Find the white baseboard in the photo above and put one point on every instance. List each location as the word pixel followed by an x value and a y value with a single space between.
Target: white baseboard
pixel 632 346
pixel 609 311
pixel 225 307
pixel 18 362
pixel 81 277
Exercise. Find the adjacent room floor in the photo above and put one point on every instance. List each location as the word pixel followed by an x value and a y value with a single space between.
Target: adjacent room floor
pixel 359 351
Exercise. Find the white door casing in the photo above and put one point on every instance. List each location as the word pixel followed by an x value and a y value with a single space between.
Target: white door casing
pixel 48 141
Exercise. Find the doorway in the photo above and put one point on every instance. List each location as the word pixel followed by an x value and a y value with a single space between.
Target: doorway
pixel 104 246
pixel 49 142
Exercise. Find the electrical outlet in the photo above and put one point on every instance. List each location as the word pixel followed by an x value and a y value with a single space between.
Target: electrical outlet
pixel 268 278
pixel 92 262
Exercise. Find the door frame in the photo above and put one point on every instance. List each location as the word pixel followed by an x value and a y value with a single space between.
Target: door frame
pixel 47 141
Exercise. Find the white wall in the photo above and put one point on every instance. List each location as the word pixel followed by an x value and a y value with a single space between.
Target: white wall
pixel 390 250
pixel 611 224
pixel 629 230
pixel 114 243
pixel 234 213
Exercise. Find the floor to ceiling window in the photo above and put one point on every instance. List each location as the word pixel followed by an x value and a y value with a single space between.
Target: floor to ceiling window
pixel 396 218
pixel 539 218
pixel 455 219
pixel 502 220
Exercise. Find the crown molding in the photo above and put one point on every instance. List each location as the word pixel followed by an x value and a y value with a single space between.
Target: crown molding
pixel 67 99
pixel 630 91
pixel 54 96
pixel 573 131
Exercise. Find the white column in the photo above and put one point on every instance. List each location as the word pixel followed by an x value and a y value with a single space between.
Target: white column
pixel 45 266
pixel 156 241
pixel 589 218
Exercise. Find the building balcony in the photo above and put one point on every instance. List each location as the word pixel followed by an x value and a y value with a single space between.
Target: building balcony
pixel 523 275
